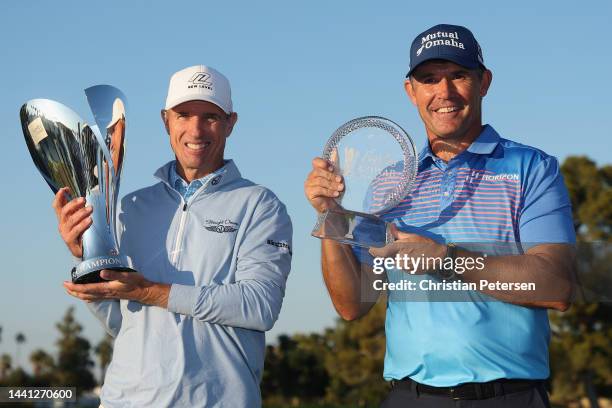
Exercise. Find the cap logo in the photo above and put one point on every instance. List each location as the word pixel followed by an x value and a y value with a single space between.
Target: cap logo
pixel 420 50
pixel 200 80
pixel 440 38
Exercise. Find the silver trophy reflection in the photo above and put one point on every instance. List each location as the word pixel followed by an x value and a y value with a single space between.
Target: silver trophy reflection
pixel 70 153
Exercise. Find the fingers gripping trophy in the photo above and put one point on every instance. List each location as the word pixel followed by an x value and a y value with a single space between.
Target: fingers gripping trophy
pixel 74 156
pixel 376 161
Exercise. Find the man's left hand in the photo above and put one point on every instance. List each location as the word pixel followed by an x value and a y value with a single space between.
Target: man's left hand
pixel 121 285
pixel 412 246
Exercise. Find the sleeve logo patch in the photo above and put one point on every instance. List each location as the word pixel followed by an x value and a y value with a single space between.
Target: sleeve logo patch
pixel 280 245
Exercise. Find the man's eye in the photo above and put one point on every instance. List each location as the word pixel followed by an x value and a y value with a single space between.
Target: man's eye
pixel 429 80
pixel 212 118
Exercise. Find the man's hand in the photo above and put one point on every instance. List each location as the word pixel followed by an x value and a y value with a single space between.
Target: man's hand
pixel 550 267
pixel 412 246
pixel 73 218
pixel 323 185
pixel 121 285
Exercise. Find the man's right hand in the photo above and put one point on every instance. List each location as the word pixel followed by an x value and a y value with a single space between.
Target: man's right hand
pixel 73 218
pixel 322 185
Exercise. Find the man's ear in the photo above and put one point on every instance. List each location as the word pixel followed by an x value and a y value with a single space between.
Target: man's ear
pixel 164 117
pixel 410 91
pixel 485 83
pixel 233 118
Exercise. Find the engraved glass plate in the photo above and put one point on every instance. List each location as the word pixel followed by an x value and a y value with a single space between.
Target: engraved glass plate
pixel 377 161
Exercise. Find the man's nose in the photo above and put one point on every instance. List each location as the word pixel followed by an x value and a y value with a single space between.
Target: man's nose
pixel 445 87
pixel 197 126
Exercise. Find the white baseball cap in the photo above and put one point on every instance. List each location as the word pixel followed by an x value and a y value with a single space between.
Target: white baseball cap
pixel 199 83
pixel 118 112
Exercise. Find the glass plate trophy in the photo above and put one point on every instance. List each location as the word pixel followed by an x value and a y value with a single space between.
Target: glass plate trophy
pixel 68 152
pixel 377 161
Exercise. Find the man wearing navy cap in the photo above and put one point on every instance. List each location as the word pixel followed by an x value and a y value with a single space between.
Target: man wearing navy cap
pixel 475 190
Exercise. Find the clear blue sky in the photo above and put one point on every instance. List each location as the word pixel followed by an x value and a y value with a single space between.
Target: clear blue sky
pixel 298 70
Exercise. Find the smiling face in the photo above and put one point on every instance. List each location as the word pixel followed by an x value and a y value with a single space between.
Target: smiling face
pixel 448 98
pixel 197 131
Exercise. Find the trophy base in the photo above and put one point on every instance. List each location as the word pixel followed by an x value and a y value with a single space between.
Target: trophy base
pixel 94 277
pixel 89 271
pixel 353 228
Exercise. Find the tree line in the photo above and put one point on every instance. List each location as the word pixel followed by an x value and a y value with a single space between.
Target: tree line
pixel 70 367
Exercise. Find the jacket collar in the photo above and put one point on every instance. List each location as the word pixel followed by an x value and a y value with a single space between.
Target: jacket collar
pixel 226 174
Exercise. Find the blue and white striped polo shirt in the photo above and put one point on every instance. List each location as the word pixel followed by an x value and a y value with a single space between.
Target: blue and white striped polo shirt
pixel 496 191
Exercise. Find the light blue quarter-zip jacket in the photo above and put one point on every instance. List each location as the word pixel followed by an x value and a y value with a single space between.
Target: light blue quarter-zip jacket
pixel 227 253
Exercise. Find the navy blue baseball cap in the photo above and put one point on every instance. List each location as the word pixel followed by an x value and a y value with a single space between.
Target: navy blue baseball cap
pixel 446 42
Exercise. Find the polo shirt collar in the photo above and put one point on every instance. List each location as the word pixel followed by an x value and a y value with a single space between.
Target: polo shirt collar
pixel 486 143
pixel 426 153
pixel 174 177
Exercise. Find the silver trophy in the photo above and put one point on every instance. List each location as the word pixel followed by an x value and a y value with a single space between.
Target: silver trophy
pixel 68 152
pixel 377 161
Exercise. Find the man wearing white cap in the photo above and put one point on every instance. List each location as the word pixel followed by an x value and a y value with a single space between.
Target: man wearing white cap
pixel 212 250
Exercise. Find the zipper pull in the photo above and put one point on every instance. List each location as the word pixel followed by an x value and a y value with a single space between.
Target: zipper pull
pixel 185 207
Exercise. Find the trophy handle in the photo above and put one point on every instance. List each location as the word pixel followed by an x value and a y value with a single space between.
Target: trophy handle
pixel 353 228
